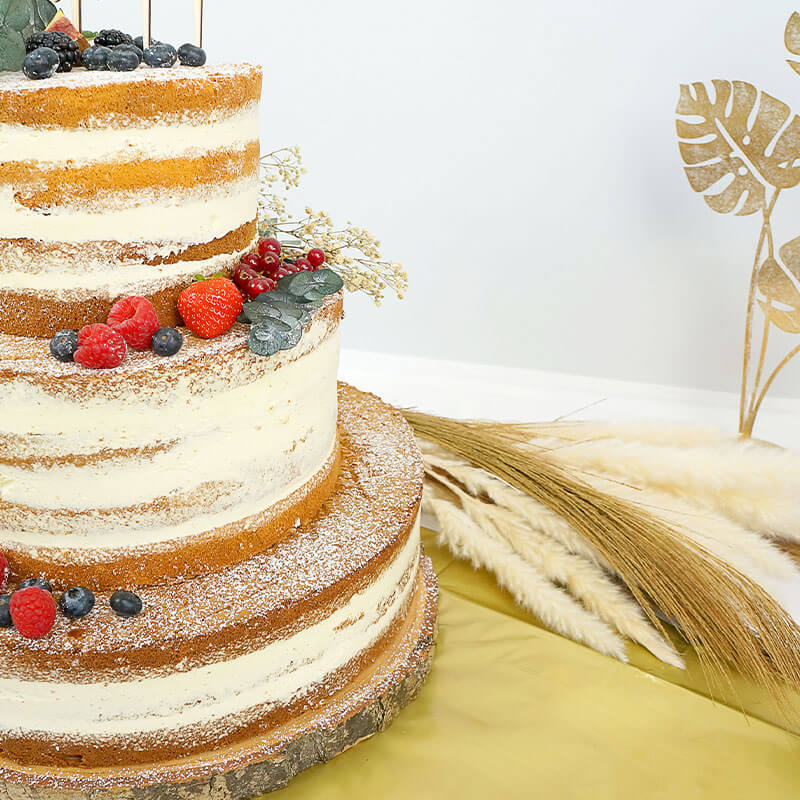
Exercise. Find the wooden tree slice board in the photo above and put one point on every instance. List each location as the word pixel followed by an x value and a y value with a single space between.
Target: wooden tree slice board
pixel 269 761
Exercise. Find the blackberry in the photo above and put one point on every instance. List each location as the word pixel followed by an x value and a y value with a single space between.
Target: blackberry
pixel 39 583
pixel 191 55
pixel 125 604
pixel 5 612
pixel 63 345
pixel 109 37
pixel 68 53
pixel 77 602
pixel 160 55
pixel 167 341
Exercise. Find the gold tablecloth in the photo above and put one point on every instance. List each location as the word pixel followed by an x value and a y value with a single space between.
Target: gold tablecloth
pixel 511 710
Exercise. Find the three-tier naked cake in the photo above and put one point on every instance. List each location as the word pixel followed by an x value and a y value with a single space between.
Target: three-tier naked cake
pixel 267 517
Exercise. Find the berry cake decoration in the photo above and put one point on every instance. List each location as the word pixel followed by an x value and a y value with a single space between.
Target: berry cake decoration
pixel 210 563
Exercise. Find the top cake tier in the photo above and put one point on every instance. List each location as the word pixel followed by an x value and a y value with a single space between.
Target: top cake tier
pixel 114 184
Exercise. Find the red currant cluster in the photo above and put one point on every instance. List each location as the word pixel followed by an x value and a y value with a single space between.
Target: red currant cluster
pixel 260 271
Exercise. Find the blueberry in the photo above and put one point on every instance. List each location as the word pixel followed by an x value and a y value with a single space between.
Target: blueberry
pixel 123 61
pixel 129 48
pixel 139 41
pixel 41 583
pixel 77 602
pixel 41 63
pixel 5 611
pixel 96 57
pixel 63 345
pixel 191 55
pixel 167 341
pixel 160 55
pixel 125 604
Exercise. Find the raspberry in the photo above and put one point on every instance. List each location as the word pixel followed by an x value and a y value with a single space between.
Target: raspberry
pixel 33 611
pixel 100 347
pixel 136 319
pixel 4 571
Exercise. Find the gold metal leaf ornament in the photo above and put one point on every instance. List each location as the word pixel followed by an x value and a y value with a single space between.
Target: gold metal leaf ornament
pixel 791 38
pixel 737 144
pixel 741 149
pixel 781 298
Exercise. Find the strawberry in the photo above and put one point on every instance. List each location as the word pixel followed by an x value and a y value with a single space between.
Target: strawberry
pixel 33 612
pixel 210 307
pixel 100 347
pixel 136 319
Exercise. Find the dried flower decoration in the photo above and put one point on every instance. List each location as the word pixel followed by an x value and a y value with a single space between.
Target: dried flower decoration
pixel 352 251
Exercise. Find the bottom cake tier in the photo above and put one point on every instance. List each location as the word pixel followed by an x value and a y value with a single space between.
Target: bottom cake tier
pixel 231 683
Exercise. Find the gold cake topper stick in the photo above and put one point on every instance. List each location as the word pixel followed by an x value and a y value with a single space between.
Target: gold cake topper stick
pixel 198 22
pixel 77 20
pixel 146 24
pixel 741 148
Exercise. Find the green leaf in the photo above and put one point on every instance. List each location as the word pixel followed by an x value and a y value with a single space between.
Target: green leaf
pixel 15 13
pixel 258 312
pixel 12 49
pixel 89 35
pixel 307 287
pixel 43 13
pixel 289 310
pixel 268 337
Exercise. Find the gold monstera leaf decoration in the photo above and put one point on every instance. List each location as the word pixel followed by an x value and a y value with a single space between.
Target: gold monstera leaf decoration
pixel 736 144
pixel 777 282
pixel 741 149
pixel 791 38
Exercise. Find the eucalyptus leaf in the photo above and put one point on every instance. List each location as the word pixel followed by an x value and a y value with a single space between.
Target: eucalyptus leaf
pixel 271 335
pixel 15 13
pixel 43 13
pixel 12 49
pixel 258 312
pixel 307 286
pixel 289 310
pixel 275 294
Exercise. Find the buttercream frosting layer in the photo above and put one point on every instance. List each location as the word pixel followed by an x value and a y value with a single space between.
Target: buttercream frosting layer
pixel 216 657
pixel 122 172
pixel 133 463
pixel 142 98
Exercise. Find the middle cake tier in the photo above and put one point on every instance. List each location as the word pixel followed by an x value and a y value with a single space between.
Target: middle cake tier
pixel 164 468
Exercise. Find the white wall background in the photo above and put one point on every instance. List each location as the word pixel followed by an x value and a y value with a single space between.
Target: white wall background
pixel 520 158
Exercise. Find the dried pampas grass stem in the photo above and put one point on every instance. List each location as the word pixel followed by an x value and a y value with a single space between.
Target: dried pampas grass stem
pixel 532 590
pixel 585 581
pixel 726 616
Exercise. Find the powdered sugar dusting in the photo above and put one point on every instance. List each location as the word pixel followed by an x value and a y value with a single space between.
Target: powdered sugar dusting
pixel 367 517
pixel 16 82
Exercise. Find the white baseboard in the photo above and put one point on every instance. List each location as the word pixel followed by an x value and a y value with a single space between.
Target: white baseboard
pixel 461 389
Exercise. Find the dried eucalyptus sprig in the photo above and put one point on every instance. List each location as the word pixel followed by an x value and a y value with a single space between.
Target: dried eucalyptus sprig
pixel 352 251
